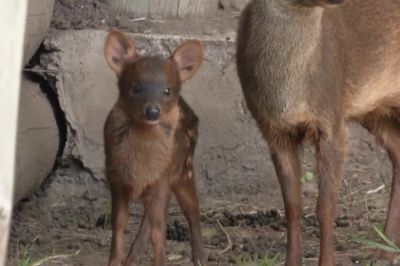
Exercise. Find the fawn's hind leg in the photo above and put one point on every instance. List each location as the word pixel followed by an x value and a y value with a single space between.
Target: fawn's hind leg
pixel 138 246
pixel 153 227
pixel 185 193
pixel 387 131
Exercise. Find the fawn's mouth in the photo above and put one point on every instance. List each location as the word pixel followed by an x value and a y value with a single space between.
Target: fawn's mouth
pixel 152 122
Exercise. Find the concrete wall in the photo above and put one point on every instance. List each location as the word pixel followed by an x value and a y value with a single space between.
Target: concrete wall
pixel 230 153
pixel 37 23
pixel 175 8
pixel 38 140
pixel 234 5
pixel 165 8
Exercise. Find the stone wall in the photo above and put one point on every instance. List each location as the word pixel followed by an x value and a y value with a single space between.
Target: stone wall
pixel 165 8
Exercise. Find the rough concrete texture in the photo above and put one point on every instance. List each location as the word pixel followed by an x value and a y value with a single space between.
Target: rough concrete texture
pixel 38 140
pixel 230 150
pixel 234 5
pixel 37 23
pixel 165 8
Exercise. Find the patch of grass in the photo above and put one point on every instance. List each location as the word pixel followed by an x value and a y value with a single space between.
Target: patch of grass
pixel 363 260
pixel 107 218
pixel 268 260
pixel 384 243
pixel 209 232
pixel 25 259
pixel 271 261
pixel 383 180
pixel 378 240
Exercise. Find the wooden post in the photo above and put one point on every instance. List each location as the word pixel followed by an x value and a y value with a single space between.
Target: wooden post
pixel 12 27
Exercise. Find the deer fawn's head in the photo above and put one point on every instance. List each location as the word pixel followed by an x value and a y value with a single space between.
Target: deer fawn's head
pixel 150 86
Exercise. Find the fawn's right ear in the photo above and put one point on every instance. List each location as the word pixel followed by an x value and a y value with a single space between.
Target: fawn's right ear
pixel 118 49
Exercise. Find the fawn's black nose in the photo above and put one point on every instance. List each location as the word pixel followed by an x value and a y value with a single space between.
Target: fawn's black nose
pixel 152 113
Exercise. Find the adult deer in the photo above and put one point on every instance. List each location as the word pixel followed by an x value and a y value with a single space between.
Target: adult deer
pixel 307 67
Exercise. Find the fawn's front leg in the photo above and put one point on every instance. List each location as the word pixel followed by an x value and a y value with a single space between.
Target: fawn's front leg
pixel 119 216
pixel 156 207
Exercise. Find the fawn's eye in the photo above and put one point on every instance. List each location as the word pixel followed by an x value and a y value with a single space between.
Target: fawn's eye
pixel 167 91
pixel 137 89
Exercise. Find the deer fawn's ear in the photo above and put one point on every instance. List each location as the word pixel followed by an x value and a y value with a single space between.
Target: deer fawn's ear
pixel 118 49
pixel 188 57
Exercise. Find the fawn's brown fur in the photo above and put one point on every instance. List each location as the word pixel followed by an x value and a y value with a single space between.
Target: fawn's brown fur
pixel 306 68
pixel 150 137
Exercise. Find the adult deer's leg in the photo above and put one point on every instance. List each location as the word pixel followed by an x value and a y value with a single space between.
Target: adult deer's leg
pixel 284 153
pixel 330 157
pixel 387 132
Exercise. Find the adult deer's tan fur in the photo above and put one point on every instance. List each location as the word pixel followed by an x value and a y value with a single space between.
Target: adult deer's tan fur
pixel 306 68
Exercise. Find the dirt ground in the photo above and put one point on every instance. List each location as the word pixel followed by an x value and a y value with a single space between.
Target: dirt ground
pixel 66 222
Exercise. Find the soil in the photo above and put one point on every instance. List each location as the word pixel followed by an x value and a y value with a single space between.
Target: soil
pixel 66 222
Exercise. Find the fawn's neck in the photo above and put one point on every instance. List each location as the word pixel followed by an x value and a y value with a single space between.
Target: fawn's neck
pixel 146 152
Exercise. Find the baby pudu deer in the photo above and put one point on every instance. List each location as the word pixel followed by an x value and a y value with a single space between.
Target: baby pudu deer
pixel 150 137
pixel 306 68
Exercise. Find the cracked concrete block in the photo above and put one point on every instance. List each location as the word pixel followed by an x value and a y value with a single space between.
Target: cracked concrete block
pixel 235 5
pixel 230 151
pixel 38 140
pixel 38 18
pixel 161 9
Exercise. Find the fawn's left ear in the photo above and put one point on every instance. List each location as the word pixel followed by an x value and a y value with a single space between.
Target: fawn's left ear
pixel 118 49
pixel 188 57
